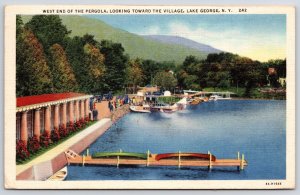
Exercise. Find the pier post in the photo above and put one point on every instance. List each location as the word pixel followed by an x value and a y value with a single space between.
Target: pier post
pixel 210 165
pixel 238 157
pixel 87 151
pixel 118 161
pixel 179 160
pixel 148 156
pixel 242 162
pixel 83 160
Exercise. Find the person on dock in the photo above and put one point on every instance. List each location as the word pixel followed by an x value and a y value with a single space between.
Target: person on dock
pixel 110 106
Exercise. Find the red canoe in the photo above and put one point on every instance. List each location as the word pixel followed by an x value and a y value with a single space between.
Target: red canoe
pixel 188 156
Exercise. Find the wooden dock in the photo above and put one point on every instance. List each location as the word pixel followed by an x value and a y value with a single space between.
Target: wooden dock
pixel 74 158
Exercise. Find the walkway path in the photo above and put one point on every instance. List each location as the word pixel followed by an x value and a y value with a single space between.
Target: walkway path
pixel 51 154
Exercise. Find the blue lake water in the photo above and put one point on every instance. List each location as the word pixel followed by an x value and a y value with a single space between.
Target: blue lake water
pixel 256 128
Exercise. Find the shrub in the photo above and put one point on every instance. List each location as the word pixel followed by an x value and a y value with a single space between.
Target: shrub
pixel 33 144
pixel 83 123
pixel 80 124
pixel 45 140
pixel 71 127
pixel 63 132
pixel 21 150
pixel 55 135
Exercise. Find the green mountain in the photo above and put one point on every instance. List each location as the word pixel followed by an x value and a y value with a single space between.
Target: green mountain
pixel 134 45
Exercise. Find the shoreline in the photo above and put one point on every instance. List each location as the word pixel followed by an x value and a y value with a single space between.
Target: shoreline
pixel 241 98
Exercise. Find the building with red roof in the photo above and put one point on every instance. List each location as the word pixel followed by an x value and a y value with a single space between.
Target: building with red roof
pixel 42 113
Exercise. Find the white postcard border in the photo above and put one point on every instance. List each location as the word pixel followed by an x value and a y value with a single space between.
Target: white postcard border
pixel 10 105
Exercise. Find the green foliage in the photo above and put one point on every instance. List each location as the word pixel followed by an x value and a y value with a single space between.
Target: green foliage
pixel 279 65
pixel 48 29
pixel 115 62
pixel 33 74
pixel 19 25
pixel 149 69
pixel 134 73
pixel 166 80
pixel 62 73
pixel 169 100
pixel 94 61
pixel 280 71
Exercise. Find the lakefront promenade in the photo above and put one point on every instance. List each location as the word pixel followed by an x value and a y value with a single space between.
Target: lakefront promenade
pixel 45 165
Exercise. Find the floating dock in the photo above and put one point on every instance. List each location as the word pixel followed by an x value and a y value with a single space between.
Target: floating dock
pixel 75 159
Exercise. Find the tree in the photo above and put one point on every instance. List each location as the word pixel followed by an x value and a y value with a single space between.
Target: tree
pixel 248 73
pixel 166 80
pixel 134 73
pixel 94 61
pixel 19 25
pixel 62 73
pixel 149 69
pixel 48 29
pixel 33 74
pixel 181 75
pixel 192 73
pixel 279 65
pixel 76 56
pixel 115 63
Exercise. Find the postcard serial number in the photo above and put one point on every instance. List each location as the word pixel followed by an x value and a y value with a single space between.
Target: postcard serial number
pixel 273 183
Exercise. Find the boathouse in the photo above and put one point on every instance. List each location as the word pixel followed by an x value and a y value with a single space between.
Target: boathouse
pixel 39 113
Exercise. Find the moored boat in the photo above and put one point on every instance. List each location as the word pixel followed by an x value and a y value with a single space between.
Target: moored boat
pixel 186 156
pixel 167 110
pixel 59 175
pixel 218 97
pixel 119 154
pixel 142 109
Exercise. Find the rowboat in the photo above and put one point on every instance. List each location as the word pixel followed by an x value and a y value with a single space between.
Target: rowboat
pixel 142 109
pixel 59 175
pixel 119 154
pixel 185 156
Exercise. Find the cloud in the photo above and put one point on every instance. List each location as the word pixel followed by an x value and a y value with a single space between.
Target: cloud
pixel 152 30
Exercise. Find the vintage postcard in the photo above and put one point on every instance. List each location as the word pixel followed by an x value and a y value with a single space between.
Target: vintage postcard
pixel 149 97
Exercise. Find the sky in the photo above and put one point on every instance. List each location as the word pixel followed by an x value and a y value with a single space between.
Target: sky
pixel 258 36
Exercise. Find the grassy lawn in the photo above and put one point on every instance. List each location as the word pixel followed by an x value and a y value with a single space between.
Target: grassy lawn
pixel 169 100
pixel 43 150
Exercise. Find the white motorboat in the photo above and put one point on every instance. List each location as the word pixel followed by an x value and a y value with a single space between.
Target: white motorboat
pixel 142 109
pixel 218 97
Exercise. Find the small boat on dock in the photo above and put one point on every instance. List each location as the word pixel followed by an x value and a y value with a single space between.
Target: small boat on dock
pixel 129 155
pixel 59 175
pixel 185 156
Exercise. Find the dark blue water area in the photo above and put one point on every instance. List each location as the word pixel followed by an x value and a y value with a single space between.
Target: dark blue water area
pixel 256 128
